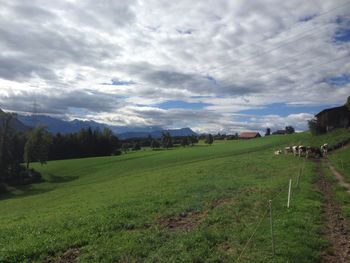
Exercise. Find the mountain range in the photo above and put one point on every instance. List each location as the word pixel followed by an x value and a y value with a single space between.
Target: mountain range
pixel 14 123
pixel 56 125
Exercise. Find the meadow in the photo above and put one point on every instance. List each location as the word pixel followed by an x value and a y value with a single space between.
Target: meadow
pixel 193 204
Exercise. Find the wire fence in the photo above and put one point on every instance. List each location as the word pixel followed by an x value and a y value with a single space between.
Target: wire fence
pixel 262 217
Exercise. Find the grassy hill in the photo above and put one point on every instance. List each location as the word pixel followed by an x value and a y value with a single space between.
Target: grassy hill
pixel 198 204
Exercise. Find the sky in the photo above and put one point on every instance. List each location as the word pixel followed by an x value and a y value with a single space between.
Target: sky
pixel 215 65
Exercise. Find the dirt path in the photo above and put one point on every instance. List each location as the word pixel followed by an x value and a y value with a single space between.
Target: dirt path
pixel 336 229
pixel 339 177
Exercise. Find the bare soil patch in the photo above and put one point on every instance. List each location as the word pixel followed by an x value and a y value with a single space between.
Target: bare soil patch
pixel 185 221
pixel 224 201
pixel 336 230
pixel 70 256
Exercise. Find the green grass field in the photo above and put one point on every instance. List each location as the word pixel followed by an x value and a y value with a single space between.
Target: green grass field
pixel 194 204
pixel 341 161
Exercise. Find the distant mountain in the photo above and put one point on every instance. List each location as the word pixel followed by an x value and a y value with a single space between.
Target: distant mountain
pixel 15 123
pixel 55 125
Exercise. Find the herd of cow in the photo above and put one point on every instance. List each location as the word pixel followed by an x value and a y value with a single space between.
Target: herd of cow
pixel 306 151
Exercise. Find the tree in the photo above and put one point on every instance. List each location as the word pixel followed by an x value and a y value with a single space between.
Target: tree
pixel 193 139
pixel 289 130
pixel 155 144
pixel 184 141
pixel 125 147
pixel 209 139
pixel 268 132
pixel 348 103
pixel 315 127
pixel 166 140
pixel 5 142
pixel 136 146
pixel 37 145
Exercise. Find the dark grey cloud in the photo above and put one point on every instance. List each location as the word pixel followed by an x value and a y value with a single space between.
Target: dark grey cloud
pixel 35 39
pixel 199 84
pixel 59 102
pixel 20 69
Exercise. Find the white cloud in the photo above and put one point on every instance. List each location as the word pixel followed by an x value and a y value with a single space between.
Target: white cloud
pixel 232 55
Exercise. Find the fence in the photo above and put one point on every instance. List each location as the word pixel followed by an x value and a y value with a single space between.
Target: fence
pixel 269 211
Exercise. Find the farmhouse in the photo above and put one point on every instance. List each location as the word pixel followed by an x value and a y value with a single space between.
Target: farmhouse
pixel 338 117
pixel 249 135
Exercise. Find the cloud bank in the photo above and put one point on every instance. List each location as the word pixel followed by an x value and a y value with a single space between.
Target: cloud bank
pixel 120 62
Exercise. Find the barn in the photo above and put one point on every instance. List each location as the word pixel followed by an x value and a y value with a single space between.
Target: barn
pixel 249 135
pixel 338 117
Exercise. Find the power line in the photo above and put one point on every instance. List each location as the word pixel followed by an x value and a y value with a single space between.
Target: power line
pixel 288 42
pixel 310 66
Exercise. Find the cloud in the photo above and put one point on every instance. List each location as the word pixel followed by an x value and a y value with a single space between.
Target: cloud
pixel 59 102
pixel 118 61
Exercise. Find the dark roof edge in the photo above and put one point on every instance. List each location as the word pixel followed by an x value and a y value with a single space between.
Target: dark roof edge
pixel 330 109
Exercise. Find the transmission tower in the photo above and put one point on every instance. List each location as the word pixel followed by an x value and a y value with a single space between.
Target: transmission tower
pixel 35 113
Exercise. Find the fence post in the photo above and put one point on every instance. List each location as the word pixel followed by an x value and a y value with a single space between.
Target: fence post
pixel 271 226
pixel 290 186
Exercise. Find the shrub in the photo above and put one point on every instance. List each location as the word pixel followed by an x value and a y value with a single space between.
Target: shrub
pixel 117 152
pixel 3 188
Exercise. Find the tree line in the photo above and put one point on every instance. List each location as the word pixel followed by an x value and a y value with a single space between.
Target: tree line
pixel 166 141
pixel 85 143
pixel 39 145
pixel 19 149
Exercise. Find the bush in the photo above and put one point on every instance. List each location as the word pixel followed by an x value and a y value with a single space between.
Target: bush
pixel 19 175
pixel 315 127
pixel 34 176
pixel 3 189
pixel 117 152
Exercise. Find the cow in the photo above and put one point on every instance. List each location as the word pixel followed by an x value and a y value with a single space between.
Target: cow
pixel 313 152
pixel 301 150
pixel 278 152
pixel 324 149
pixel 288 149
pixel 295 150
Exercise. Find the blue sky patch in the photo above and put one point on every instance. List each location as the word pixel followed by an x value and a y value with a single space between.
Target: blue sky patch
pixel 211 79
pixel 184 32
pixel 342 33
pixel 338 81
pixel 119 82
pixel 172 104
pixel 282 109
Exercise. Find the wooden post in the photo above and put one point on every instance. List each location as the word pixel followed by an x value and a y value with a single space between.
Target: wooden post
pixel 290 186
pixel 271 227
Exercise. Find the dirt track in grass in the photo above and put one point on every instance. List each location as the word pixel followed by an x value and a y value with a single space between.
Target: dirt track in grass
pixel 336 230
pixel 339 177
